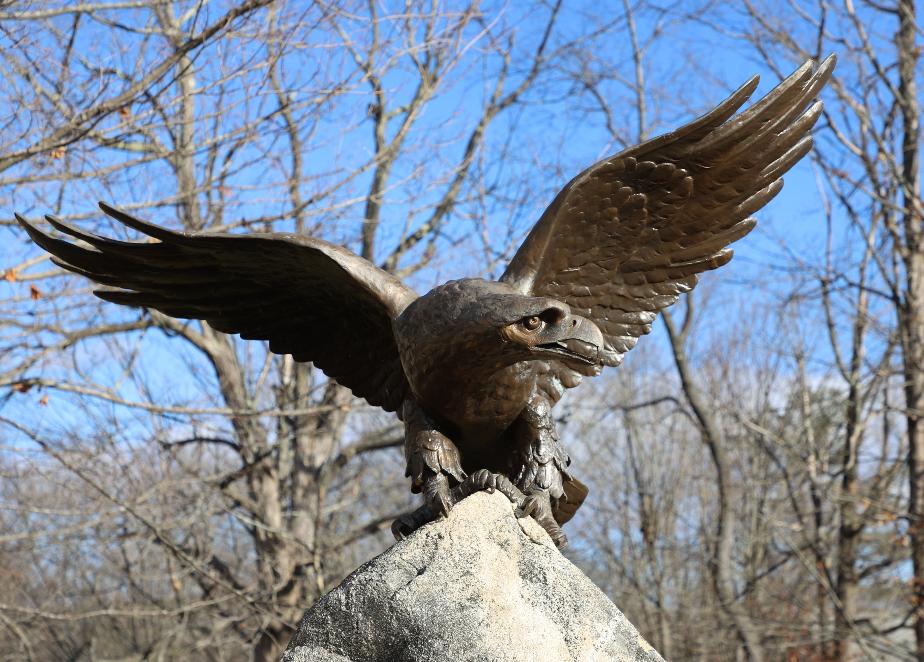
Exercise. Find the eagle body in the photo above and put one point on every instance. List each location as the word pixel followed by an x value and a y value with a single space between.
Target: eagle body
pixel 469 373
pixel 474 367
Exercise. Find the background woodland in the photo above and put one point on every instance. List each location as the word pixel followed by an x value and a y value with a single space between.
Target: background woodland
pixel 169 492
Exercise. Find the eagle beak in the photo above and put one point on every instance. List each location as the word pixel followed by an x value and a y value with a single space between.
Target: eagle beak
pixel 579 340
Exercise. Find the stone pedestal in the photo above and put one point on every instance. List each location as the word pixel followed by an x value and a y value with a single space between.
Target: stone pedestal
pixel 481 585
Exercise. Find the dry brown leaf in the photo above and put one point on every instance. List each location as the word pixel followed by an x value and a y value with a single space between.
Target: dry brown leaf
pixel 9 275
pixel 886 517
pixel 44 400
pixel 35 293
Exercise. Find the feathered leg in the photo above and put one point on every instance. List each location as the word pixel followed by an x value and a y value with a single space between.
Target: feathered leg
pixel 540 471
pixel 435 469
pixel 540 467
pixel 433 461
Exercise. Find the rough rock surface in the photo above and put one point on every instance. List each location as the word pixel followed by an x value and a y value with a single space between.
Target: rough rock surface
pixel 481 585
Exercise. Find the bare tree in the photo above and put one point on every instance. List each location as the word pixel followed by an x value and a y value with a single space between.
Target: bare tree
pixel 172 491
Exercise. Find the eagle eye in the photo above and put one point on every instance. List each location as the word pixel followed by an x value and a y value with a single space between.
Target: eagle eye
pixel 532 323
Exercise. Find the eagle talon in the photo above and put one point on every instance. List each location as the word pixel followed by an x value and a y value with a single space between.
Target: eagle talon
pixel 539 508
pixel 484 480
pixel 402 527
pixel 529 506
pixel 405 525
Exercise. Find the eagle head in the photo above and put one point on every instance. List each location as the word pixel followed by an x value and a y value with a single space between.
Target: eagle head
pixel 474 321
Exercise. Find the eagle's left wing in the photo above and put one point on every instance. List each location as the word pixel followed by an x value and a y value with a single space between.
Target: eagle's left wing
pixel 628 235
pixel 308 298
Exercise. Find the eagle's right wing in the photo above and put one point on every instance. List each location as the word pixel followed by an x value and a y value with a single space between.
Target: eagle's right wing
pixel 308 298
pixel 625 238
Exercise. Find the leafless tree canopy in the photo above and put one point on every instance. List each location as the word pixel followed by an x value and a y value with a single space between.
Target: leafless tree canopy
pixel 170 492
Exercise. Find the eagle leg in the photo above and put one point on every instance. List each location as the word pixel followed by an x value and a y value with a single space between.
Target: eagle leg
pixel 432 459
pixel 540 465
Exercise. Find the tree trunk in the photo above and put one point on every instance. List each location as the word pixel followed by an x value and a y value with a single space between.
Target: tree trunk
pixel 848 534
pixel 911 317
pixel 722 563
pixel 851 518
pixel 309 441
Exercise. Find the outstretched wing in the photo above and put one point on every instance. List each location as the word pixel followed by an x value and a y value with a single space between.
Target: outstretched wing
pixel 308 298
pixel 630 234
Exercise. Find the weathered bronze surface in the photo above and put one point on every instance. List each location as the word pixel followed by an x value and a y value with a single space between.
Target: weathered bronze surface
pixel 474 367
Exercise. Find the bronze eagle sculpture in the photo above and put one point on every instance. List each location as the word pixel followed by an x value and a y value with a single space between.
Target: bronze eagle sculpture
pixel 474 367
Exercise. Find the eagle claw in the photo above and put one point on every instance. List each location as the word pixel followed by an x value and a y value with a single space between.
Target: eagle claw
pixel 484 480
pixel 539 508
pixel 404 526
pixel 440 499
pixel 535 505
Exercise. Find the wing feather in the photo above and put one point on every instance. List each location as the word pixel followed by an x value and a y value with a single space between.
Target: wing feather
pixel 626 237
pixel 308 298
